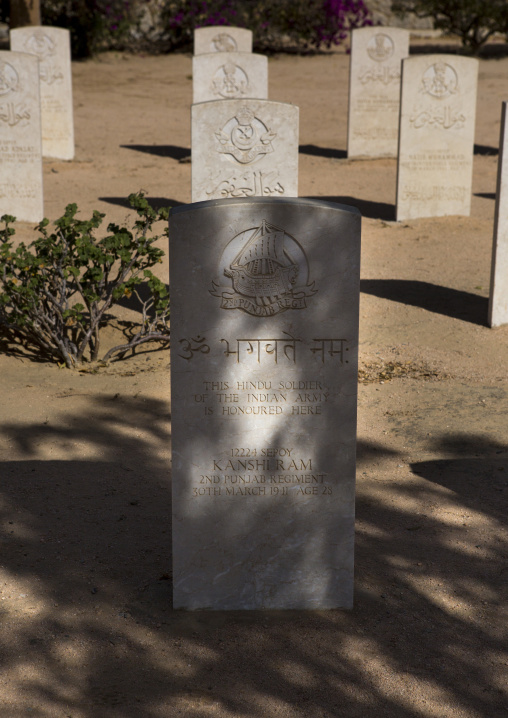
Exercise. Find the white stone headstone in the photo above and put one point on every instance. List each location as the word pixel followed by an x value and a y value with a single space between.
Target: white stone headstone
pixel 244 148
pixel 374 90
pixel 52 46
pixel 498 301
pixel 20 137
pixel 264 301
pixel 222 38
pixel 229 76
pixel 436 138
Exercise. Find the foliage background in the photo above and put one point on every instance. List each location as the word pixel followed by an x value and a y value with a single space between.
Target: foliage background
pixel 166 25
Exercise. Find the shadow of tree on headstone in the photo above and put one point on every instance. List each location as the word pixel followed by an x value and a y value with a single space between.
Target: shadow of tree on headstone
pixel 453 303
pixel 87 553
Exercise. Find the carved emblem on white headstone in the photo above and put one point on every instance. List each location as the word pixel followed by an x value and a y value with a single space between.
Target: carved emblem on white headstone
pixel 440 80
pixel 8 78
pixel 230 81
pixel 44 47
pixel 222 42
pixel 245 137
pixel 268 271
pixel 380 47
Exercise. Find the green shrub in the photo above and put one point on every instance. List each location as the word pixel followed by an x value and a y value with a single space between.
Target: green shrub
pixel 55 294
pixel 474 21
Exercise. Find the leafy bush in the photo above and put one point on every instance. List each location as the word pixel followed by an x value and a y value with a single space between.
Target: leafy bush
pixel 275 23
pixel 95 25
pixel 56 292
pixel 474 21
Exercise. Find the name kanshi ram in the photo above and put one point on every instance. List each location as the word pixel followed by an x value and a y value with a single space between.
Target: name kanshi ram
pixel 262 465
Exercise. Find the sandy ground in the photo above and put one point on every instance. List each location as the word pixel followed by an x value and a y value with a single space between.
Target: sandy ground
pixel 87 629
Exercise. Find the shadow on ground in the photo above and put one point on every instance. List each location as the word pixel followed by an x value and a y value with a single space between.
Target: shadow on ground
pixel 156 202
pixel 453 303
pixel 374 210
pixel 87 543
pixel 173 151
pixel 328 152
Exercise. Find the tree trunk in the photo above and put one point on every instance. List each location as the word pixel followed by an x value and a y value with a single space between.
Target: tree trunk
pixel 25 12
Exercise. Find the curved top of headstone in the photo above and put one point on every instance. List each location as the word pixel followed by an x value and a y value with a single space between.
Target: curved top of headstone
pixel 466 64
pixel 39 31
pixel 229 75
pixel 296 201
pixel 244 147
pixel 222 38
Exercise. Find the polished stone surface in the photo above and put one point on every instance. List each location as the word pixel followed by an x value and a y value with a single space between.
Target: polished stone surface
pixel 264 302
pixel 244 148
pixel 374 90
pixel 20 146
pixel 223 38
pixel 436 141
pixel 229 76
pixel 52 46
pixel 498 302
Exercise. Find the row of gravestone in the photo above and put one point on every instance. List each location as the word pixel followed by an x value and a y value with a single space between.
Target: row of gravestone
pixel 264 299
pixel 36 115
pixel 243 145
pixel 264 296
pixel 421 110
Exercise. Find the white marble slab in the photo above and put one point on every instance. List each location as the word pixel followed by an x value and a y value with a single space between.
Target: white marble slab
pixel 229 76
pixel 374 90
pixel 436 139
pixel 20 137
pixel 498 301
pixel 222 38
pixel 244 148
pixel 264 301
pixel 52 46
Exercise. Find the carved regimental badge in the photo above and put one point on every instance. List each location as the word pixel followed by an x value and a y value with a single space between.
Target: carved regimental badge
pixel 44 47
pixel 245 137
pixel 230 81
pixel 440 80
pixel 380 47
pixel 8 78
pixel 268 272
pixel 223 43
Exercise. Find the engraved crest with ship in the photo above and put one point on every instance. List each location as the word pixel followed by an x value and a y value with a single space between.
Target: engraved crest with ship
pixel 268 270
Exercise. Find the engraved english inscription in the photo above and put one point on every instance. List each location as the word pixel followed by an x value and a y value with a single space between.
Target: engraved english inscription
pixel 268 270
